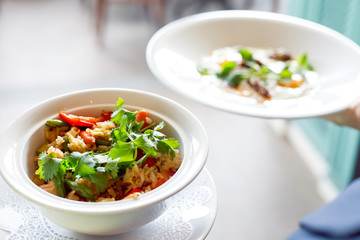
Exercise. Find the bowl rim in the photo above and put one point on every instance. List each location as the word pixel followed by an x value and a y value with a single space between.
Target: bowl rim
pixel 50 201
pixel 280 18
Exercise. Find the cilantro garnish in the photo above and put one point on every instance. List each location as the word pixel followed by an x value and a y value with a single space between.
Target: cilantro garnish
pixel 49 166
pixel 246 54
pixel 227 67
pixel 128 140
pixel 79 164
pixel 303 62
pixel 285 73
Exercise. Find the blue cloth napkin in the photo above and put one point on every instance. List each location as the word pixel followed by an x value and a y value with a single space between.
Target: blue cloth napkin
pixel 339 219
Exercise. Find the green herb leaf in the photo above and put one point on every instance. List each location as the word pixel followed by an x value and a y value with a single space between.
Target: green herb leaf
pixel 303 62
pixel 236 77
pixel 171 142
pixel 100 158
pixel 52 168
pixel 246 54
pixel 111 167
pixel 129 138
pixel 118 114
pixel 117 168
pixel 285 73
pixel 160 126
pixel 48 166
pixel 123 150
pixel 100 181
pixel 168 145
pixel 227 67
pixel 119 103
pixel 264 69
pixel 120 133
pixel 147 145
pixel 83 163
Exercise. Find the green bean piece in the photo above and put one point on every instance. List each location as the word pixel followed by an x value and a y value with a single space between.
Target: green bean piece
pixel 59 186
pixel 55 123
pixel 102 142
pixel 80 189
pixel 65 144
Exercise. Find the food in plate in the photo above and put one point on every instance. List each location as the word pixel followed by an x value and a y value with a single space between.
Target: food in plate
pixel 121 154
pixel 259 73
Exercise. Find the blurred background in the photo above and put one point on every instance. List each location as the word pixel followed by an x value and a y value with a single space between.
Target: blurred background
pixel 268 173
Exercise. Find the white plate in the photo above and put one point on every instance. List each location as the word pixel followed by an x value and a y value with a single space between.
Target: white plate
pixel 191 215
pixel 175 50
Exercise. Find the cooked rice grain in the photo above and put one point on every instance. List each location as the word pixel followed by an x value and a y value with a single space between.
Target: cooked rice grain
pixel 102 130
pixel 76 143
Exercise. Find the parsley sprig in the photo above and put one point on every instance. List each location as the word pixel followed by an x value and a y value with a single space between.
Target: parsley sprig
pixel 128 139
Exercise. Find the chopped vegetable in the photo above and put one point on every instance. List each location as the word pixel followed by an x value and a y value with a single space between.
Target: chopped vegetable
pixel 78 120
pixel 141 116
pixel 161 180
pixel 285 73
pixel 132 193
pixel 65 144
pixel 81 121
pixel 150 161
pixel 80 189
pixel 55 123
pixel 87 137
pixel 291 83
pixel 102 142
pixel 246 54
pixel 235 78
pixel 227 67
pixel 303 62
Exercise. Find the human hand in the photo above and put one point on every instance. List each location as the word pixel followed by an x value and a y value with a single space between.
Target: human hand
pixel 349 117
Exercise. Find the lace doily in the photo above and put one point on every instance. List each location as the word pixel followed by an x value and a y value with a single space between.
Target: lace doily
pixel 190 215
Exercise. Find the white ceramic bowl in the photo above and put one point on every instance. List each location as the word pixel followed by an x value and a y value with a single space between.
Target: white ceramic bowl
pixel 175 50
pixel 25 134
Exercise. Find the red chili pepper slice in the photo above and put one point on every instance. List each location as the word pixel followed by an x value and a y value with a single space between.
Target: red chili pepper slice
pixel 135 190
pixel 150 161
pixel 166 176
pixel 105 116
pixel 81 121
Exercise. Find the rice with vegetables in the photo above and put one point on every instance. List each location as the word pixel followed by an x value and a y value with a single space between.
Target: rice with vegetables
pixel 120 155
